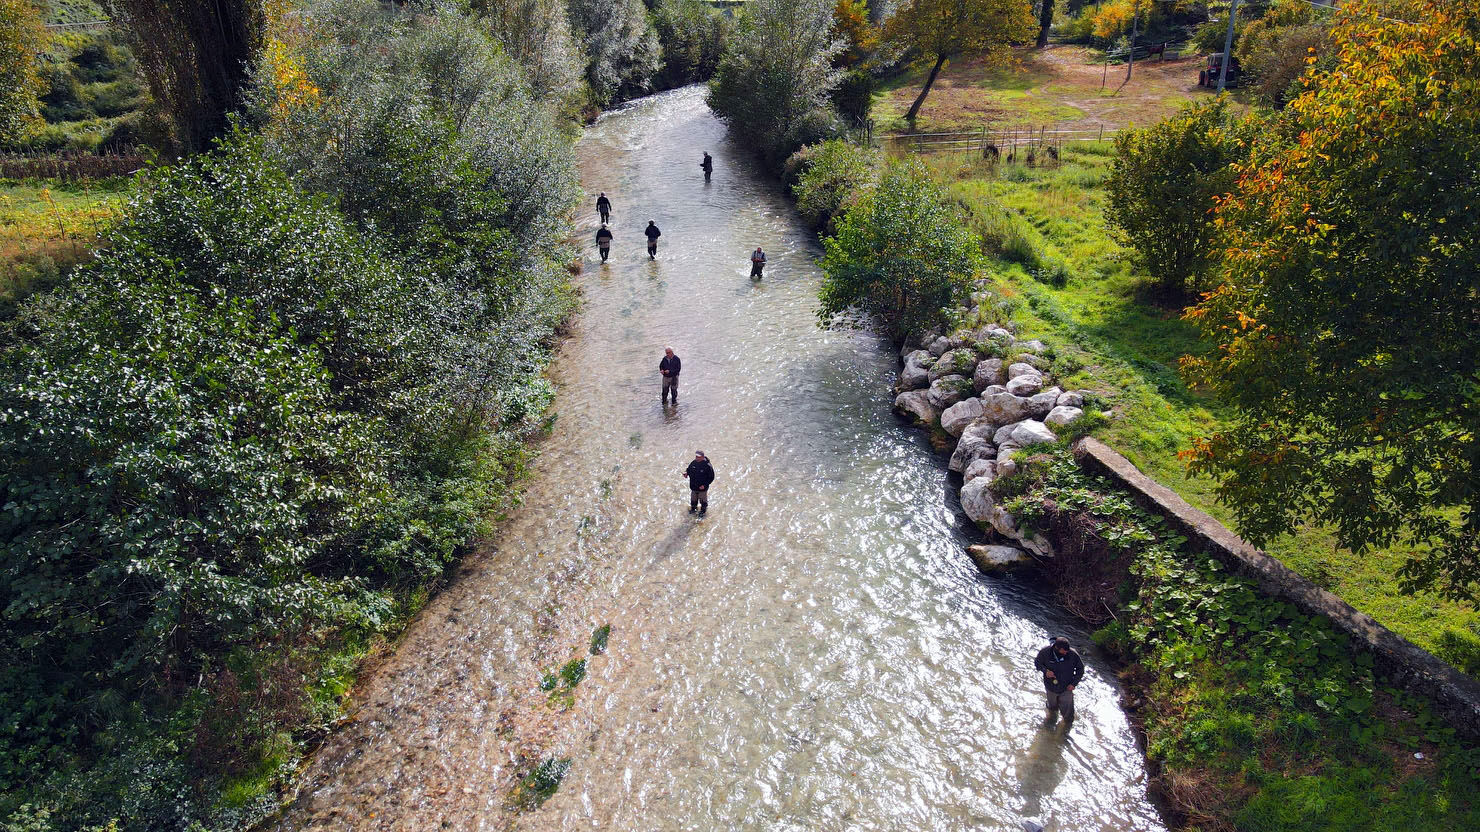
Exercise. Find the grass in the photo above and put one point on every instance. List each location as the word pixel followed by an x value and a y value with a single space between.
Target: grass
pixel 1074 288
pixel 1061 86
pixel 46 229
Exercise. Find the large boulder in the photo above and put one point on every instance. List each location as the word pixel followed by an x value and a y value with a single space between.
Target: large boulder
pixel 968 451
pixel 956 417
pixel 1025 385
pixel 1063 415
pixel 948 390
pixel 1039 404
pixel 1002 522
pixel 957 362
pixel 980 468
pixel 916 372
pixel 1022 369
pixel 988 373
pixel 994 558
pixel 939 346
pixel 1037 362
pixel 1073 398
pixel 917 403
pixel 1004 433
pixel 1034 346
pixel 1002 408
pixel 977 501
pixel 1032 433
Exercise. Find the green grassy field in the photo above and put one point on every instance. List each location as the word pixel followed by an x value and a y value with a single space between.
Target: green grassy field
pixel 1075 289
pixel 45 230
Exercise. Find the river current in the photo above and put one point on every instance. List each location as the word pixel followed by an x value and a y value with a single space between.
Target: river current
pixel 818 653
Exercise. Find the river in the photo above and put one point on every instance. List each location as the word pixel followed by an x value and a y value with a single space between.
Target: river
pixel 819 653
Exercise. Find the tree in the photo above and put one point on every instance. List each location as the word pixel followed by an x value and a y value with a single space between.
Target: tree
pixel 1045 21
pixel 900 254
pixel 773 84
pixel 945 29
pixel 21 39
pixel 1345 321
pixel 197 56
pixel 1162 188
pixel 622 52
pixel 537 34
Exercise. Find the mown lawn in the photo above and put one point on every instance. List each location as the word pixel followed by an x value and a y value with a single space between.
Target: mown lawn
pixel 1074 288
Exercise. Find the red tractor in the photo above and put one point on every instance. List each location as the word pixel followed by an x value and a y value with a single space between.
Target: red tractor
pixel 1209 77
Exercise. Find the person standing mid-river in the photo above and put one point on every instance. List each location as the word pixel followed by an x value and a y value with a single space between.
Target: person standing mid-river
pixel 669 367
pixel 653 234
pixel 604 242
pixel 707 165
pixel 700 475
pixel 604 208
pixel 757 262
pixel 1062 669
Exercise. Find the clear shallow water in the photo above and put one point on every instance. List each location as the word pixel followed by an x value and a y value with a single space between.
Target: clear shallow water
pixel 817 654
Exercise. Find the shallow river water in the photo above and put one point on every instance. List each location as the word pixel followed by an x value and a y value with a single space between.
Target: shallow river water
pixel 818 653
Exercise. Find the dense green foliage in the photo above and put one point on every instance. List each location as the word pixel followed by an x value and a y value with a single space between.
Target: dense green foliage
pixel 693 36
pixel 835 177
pixel 621 48
pixel 1162 189
pixel 773 84
pixel 1275 50
pixel 536 34
pixel 1267 708
pixel 901 254
pixel 93 97
pixel 21 38
pixel 296 381
pixel 1345 314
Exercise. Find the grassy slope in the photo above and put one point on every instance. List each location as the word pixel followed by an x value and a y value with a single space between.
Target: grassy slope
pixel 44 231
pixel 1129 347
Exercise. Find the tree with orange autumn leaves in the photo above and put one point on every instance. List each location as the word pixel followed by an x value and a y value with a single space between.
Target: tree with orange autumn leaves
pixel 1345 326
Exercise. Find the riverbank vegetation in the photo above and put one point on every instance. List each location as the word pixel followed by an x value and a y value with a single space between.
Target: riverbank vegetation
pixel 244 440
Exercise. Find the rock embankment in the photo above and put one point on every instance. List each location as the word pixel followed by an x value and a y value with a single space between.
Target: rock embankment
pixel 989 396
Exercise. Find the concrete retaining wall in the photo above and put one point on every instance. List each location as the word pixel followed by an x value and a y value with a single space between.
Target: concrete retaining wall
pixel 1456 696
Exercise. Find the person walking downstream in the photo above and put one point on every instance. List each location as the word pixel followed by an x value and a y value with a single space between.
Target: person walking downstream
pixel 604 208
pixel 669 367
pixel 700 475
pixel 757 262
pixel 1062 669
pixel 604 242
pixel 653 234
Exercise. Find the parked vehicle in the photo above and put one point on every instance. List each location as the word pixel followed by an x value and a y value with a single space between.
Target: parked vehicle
pixel 1209 77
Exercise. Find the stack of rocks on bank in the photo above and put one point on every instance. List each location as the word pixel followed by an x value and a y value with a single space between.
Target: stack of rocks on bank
pixel 993 396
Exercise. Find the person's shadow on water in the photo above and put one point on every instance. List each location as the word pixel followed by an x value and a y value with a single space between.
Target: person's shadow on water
pixel 1041 767
pixel 673 542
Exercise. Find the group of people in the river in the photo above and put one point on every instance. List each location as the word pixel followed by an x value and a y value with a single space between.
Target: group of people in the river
pixel 652 232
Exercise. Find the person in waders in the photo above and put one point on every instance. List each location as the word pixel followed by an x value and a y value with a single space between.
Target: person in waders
pixel 669 368
pixel 700 475
pixel 604 208
pixel 757 262
pixel 1062 669
pixel 707 165
pixel 653 234
pixel 604 242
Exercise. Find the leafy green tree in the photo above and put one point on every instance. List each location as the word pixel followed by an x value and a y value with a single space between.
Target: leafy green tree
pixel 693 36
pixel 1344 322
pixel 837 174
pixel 1162 190
pixel 21 39
pixel 773 84
pixel 900 254
pixel 537 35
pixel 945 29
pixel 622 50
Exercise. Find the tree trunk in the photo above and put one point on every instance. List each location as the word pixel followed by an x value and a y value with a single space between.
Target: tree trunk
pixel 940 61
pixel 1045 21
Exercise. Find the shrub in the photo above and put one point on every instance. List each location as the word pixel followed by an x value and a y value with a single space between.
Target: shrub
pixel 901 254
pixel 693 36
pixel 837 176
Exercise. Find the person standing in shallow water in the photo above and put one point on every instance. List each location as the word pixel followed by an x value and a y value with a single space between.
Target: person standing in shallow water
pixel 700 475
pixel 604 242
pixel 653 234
pixel 604 208
pixel 757 262
pixel 669 368
pixel 707 165
pixel 1062 669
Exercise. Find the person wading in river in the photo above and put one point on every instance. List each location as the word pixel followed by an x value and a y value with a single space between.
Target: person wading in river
pixel 653 234
pixel 1062 669
pixel 707 165
pixel 669 367
pixel 699 474
pixel 757 262
pixel 604 242
pixel 604 208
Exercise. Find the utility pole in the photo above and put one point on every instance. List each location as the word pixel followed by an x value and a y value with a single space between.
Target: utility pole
pixel 1131 55
pixel 1227 47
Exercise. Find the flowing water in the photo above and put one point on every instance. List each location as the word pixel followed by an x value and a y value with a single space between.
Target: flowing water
pixel 818 653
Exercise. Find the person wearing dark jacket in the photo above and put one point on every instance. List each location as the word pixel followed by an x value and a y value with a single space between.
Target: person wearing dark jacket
pixel 707 165
pixel 699 474
pixel 669 368
pixel 653 234
pixel 1062 669
pixel 604 242
pixel 604 208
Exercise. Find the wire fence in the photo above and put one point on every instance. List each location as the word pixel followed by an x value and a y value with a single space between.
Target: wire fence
pixel 1031 143
pixel 72 167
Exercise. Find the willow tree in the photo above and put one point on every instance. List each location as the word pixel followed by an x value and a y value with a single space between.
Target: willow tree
pixel 946 29
pixel 196 55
